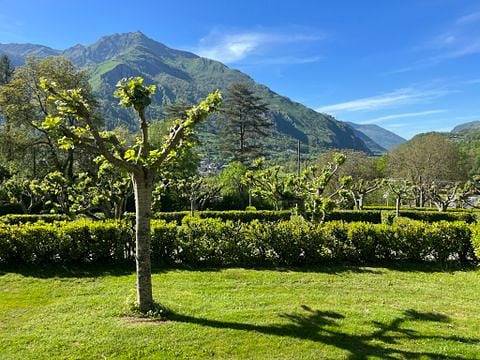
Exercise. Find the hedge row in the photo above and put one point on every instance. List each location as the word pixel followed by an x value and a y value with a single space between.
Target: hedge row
pixel 430 216
pixel 31 218
pixel 371 216
pixel 213 242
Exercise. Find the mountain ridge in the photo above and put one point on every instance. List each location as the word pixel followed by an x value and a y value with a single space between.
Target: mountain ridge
pixel 182 75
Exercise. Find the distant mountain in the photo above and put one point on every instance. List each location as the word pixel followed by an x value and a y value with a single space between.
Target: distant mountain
pixel 381 137
pixel 184 76
pixel 472 125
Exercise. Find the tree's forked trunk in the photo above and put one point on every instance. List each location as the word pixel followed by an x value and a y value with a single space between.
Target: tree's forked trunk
pixel 143 185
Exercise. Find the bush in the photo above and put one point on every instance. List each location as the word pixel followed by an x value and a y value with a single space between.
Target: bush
pixel 372 216
pixel 31 218
pixel 214 242
pixel 80 241
pixel 430 216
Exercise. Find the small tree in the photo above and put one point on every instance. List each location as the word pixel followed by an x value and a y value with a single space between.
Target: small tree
pixel 446 194
pixel 358 189
pixel 140 160
pixel 401 189
pixel 314 181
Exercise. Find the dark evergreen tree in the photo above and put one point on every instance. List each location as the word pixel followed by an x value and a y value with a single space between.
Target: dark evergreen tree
pixel 6 69
pixel 244 123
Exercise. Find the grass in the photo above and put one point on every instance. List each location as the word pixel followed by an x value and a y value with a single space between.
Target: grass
pixel 333 313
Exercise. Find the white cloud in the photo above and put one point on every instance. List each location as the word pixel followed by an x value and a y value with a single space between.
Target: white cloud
pixel 233 47
pixel 468 19
pixel 395 98
pixel 382 119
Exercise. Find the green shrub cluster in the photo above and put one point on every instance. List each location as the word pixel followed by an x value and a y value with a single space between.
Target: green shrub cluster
pixel 430 216
pixel 31 218
pixel 214 242
pixel 79 241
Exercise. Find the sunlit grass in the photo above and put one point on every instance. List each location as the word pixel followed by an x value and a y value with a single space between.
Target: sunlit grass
pixel 337 312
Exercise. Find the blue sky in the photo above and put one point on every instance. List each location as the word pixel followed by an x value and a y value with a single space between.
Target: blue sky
pixel 407 65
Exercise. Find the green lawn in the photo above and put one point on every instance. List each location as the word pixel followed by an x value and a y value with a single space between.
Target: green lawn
pixel 333 313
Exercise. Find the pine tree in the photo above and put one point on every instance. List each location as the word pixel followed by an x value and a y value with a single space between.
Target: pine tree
pixel 6 70
pixel 244 123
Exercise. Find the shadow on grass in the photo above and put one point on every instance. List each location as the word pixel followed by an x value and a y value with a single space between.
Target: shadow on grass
pixel 323 327
pixel 96 270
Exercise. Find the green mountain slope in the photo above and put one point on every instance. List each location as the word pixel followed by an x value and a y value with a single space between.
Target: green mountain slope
pixel 380 136
pixel 181 75
pixel 469 126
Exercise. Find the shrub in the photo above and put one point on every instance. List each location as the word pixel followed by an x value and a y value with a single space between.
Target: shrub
pixel 80 241
pixel 372 216
pixel 214 242
pixel 31 218
pixel 430 216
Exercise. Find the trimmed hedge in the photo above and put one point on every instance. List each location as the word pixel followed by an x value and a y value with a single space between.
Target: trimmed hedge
pixel 31 218
pixel 233 215
pixel 213 242
pixel 431 216
pixel 79 241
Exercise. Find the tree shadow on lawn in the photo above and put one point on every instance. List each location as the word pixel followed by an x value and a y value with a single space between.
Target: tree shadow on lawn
pixel 96 270
pixel 315 325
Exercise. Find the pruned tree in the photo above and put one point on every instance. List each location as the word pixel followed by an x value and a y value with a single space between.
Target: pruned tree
pixel 244 123
pixel 357 189
pixel 401 189
pixel 271 183
pixel 314 181
pixel 445 194
pixel 199 191
pixel 140 160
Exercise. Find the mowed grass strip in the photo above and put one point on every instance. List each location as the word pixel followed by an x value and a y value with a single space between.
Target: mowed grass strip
pixel 331 312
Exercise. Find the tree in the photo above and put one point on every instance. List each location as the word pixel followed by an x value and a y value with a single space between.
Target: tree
pixel 6 70
pixel 401 189
pixel 140 160
pixel 313 183
pixel 244 123
pixel 357 189
pixel 199 190
pixel 24 105
pixel 272 183
pixel 424 159
pixel 447 193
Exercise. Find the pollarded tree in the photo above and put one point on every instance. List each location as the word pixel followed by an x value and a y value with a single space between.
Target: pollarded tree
pixel 141 160
pixel 445 194
pixel 313 183
pixel 357 189
pixel 401 189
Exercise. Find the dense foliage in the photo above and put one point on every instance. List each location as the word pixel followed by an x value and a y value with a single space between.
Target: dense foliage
pixel 215 242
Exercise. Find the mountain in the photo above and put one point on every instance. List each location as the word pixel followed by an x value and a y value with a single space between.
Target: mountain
pixel 472 125
pixel 381 137
pixel 184 76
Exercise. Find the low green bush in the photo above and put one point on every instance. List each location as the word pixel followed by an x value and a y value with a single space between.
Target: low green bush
pixel 79 241
pixel 372 216
pixel 216 242
pixel 31 218
pixel 430 216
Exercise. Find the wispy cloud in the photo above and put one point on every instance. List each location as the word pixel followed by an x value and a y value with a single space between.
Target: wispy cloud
pixel 391 99
pixel 460 39
pixel 10 28
pixel 469 18
pixel 383 119
pixel 231 47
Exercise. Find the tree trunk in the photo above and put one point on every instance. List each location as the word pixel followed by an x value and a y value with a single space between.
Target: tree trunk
pixel 143 186
pixel 398 202
pixel 360 202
